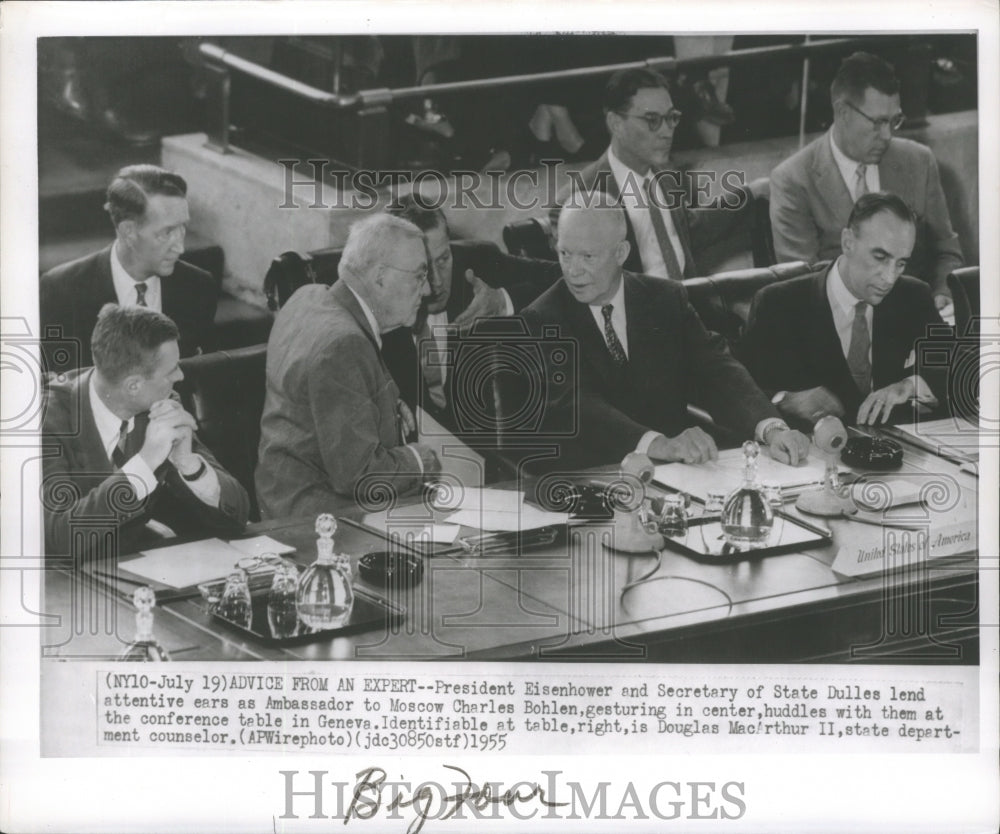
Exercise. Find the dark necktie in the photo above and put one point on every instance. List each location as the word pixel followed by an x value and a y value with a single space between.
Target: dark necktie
pixel 663 238
pixel 428 352
pixel 614 345
pixel 857 353
pixel 118 454
pixel 140 294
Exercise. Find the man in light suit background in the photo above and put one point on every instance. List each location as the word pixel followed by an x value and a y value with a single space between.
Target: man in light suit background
pixel 333 421
pixel 812 192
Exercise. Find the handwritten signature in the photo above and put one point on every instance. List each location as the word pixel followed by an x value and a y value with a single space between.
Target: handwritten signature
pixel 367 798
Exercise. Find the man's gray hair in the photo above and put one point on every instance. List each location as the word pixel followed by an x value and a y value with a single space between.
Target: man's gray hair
pixel 371 242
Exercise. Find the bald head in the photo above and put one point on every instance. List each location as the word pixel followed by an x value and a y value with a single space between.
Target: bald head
pixel 592 249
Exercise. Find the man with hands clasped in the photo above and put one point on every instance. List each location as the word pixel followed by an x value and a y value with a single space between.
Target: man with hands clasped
pixel 122 453
pixel 643 355
pixel 839 341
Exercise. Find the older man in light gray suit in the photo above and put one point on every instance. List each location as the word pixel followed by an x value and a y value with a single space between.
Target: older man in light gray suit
pixel 333 422
pixel 813 192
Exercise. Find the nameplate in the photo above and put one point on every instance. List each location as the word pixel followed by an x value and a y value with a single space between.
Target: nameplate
pixel 900 548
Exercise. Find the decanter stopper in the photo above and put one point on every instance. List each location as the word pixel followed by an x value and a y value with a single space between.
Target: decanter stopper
pixel 747 515
pixel 325 595
pixel 144 647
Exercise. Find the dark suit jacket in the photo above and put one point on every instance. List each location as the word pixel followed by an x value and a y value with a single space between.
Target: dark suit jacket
pixel 810 204
pixel 71 295
pixel 329 410
pixel 524 280
pixel 697 228
pixel 791 343
pixel 673 361
pixel 81 485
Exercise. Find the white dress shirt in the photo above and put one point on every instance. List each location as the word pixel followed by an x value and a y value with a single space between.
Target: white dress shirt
pixel 842 306
pixel 125 286
pixel 206 488
pixel 849 171
pixel 631 186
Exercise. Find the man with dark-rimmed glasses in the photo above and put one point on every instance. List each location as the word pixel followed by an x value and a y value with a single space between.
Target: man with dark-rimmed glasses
pixel 812 192
pixel 668 227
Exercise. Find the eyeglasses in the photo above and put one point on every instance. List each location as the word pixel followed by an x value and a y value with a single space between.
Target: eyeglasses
pixel 894 124
pixel 655 120
pixel 420 273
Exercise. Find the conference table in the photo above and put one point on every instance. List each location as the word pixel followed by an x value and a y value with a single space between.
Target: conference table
pixel 570 601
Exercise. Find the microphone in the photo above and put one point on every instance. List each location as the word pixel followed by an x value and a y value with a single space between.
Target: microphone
pixel 829 436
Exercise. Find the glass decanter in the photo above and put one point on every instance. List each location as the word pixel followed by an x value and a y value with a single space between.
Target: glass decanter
pixel 747 515
pixel 236 605
pixel 144 648
pixel 325 595
pixel 282 613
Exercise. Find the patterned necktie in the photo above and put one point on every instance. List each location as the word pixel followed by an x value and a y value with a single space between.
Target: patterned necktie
pixel 614 345
pixel 662 237
pixel 857 353
pixel 118 454
pixel 860 183
pixel 140 294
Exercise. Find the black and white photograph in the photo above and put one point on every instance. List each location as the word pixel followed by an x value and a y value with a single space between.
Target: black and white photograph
pixel 565 418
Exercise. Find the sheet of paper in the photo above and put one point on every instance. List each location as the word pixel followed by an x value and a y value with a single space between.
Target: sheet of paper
pixel 183 565
pixel 477 500
pixel 951 434
pixel 726 473
pixel 529 518
pixel 259 545
pixel 882 494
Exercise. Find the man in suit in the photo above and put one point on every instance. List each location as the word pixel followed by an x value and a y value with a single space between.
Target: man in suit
pixel 149 211
pixel 813 191
pixel 665 233
pixel 421 359
pixel 837 341
pixel 126 454
pixel 643 355
pixel 333 426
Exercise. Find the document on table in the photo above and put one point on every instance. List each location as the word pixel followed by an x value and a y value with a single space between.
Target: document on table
pixel 726 473
pixel 500 510
pixel 184 565
pixel 949 435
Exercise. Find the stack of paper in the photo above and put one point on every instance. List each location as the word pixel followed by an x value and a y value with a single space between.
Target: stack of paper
pixel 184 565
pixel 726 473
pixel 499 510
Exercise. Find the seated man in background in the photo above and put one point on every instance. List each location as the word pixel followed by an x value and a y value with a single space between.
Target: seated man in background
pixel 149 211
pixel 666 235
pixel 458 296
pixel 128 455
pixel 813 191
pixel 643 354
pixel 837 341
pixel 332 412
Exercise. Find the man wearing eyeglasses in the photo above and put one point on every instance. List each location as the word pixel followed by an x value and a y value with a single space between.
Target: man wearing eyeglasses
pixel 812 192
pixel 466 283
pixel 666 234
pixel 333 426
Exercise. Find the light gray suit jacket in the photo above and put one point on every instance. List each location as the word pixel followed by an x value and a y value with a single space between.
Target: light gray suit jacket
pixel 329 425
pixel 810 204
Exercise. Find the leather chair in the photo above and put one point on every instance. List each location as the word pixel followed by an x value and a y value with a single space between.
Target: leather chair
pixel 723 300
pixel 530 238
pixel 224 391
pixel 761 238
pixel 964 286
